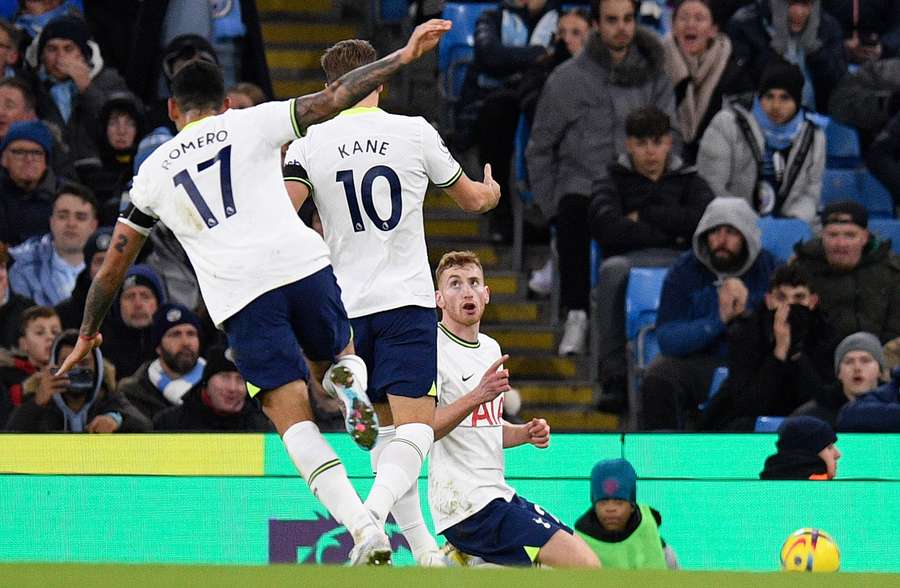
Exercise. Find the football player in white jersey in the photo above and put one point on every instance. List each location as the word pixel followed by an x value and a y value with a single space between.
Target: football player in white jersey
pixel 478 513
pixel 266 279
pixel 368 172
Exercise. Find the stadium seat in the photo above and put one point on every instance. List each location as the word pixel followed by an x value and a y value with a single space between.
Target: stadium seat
pixel 875 196
pixel 779 235
pixel 8 9
pixel 719 377
pixel 887 229
pixel 839 184
pixel 457 48
pixel 841 146
pixel 393 10
pixel 768 424
pixel 641 304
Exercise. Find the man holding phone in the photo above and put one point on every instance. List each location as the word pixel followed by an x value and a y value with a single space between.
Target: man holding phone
pixel 779 356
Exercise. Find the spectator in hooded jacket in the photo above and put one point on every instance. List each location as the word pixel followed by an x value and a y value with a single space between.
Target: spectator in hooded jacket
pixel 218 403
pixel 723 276
pixel 701 64
pixel 806 450
pixel 82 401
pixel 875 412
pixel 47 267
pixel 128 329
pixel 643 214
pixel 767 153
pixel 797 31
pixel 858 364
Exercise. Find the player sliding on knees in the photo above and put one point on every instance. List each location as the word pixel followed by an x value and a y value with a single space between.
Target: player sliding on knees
pixel 368 173
pixel 264 276
pixel 482 517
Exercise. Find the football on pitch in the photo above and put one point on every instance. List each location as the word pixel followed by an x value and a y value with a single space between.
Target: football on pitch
pixel 810 550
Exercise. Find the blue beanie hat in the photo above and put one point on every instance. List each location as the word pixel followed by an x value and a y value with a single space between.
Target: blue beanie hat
pixel 171 315
pixel 32 130
pixel 143 275
pixel 805 433
pixel 148 145
pixel 613 479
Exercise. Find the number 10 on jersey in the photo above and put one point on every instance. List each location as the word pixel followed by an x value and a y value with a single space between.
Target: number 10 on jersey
pixel 346 178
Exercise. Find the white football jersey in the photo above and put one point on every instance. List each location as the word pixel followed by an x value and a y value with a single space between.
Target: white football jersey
pixel 369 171
pixel 218 186
pixel 465 469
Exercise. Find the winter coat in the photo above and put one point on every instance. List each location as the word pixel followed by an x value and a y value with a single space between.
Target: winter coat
pixel 10 319
pixel 883 158
pixel 25 214
pixel 40 273
pixel 825 404
pixel 30 417
pixel 71 310
pixel 196 415
pixel 759 383
pixel 126 347
pixel 868 98
pixel 579 126
pixel 875 16
pixel 758 41
pixel 668 209
pixel 728 163
pixel 866 298
pixel 688 318
pixel 794 465
pixel 875 412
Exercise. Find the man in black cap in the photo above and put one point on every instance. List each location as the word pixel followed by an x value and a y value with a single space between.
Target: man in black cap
pixel 72 83
pixel 218 403
pixel 178 367
pixel 855 274
pixel 805 451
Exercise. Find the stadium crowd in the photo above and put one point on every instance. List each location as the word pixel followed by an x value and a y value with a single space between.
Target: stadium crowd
pixel 664 148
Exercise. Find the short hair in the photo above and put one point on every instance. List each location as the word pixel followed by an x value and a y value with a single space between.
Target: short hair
pixel 595 8
pixel 31 314
pixel 456 259
pixel 251 91
pixel 648 122
pixel 790 274
pixel 23 88
pixel 346 56
pixel 681 3
pixel 81 191
pixel 15 37
pixel 198 85
pixel 579 11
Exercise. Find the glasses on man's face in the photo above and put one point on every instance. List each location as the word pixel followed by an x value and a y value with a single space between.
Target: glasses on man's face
pixel 27 153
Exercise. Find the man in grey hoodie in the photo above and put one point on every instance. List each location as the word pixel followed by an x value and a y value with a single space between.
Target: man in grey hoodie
pixel 579 127
pixel 724 275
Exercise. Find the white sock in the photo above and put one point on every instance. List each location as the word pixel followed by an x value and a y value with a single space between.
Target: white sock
pixel 325 474
pixel 398 467
pixel 408 510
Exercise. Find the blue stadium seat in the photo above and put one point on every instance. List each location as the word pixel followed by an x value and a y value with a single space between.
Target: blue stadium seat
pixel 641 305
pixel 393 10
pixel 841 146
pixel 768 424
pixel 887 229
pixel 875 196
pixel 779 235
pixel 719 377
pixel 8 9
pixel 839 184
pixel 457 48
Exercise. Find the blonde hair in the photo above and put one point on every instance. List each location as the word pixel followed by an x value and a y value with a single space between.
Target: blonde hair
pixel 456 259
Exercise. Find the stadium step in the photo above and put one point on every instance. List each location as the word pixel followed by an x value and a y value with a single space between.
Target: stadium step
pixel 573 421
pixel 542 394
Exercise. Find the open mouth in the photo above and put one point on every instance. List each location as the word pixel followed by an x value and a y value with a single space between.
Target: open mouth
pixel 469 306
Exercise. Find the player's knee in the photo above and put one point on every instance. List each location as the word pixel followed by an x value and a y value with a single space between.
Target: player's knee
pixel 419 435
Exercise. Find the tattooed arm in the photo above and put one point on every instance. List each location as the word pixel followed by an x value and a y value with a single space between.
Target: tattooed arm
pixel 125 245
pixel 355 85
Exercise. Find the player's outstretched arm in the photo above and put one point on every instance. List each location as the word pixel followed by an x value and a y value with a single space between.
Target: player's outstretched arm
pixel 125 245
pixel 362 81
pixel 478 197
pixel 494 382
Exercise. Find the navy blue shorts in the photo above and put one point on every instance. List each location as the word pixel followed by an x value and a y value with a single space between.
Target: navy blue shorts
pixel 505 533
pixel 399 347
pixel 269 336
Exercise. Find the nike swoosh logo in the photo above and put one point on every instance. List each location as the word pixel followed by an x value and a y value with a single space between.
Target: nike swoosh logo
pixel 465 378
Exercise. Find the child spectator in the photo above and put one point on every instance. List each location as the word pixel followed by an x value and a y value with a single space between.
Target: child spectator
pixel 623 533
pixel 245 95
pixel 805 451
pixel 39 327
pixel 859 364
pixel 767 153
pixel 82 401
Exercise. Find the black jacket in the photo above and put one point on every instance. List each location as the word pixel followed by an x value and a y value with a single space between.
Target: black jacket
pixel 883 158
pixel 125 347
pixel 195 415
pixel 760 384
pixel 25 214
pixel 825 405
pixel 793 465
pixel 875 16
pixel 668 209
pixel 10 319
pixel 71 310
pixel 749 31
pixel 589 524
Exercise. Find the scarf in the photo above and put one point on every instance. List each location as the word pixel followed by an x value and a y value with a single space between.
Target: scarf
pixel 171 389
pixel 63 94
pixel 703 74
pixel 777 136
